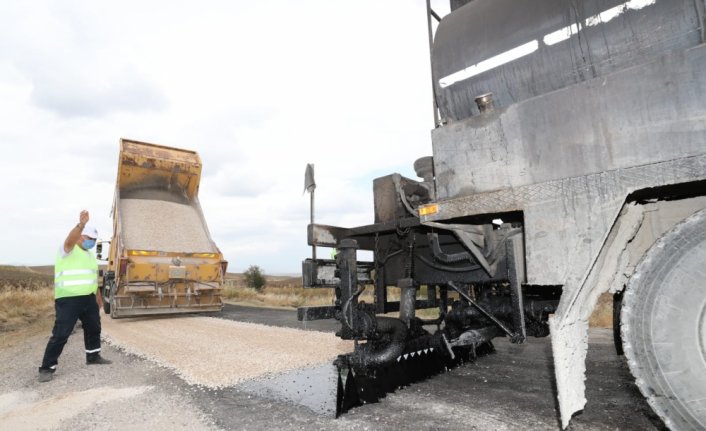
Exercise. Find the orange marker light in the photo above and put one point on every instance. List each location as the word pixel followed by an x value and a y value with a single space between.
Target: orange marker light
pixel 428 210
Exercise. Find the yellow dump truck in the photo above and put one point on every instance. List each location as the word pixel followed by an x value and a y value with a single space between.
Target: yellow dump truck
pixel 162 259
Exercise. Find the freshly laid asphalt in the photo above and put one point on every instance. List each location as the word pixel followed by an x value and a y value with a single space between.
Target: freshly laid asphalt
pixel 275 317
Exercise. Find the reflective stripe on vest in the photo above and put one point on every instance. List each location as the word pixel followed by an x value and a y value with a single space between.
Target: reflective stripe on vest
pixel 75 274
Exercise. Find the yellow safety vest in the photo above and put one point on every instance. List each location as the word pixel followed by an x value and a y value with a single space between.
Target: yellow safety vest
pixel 75 274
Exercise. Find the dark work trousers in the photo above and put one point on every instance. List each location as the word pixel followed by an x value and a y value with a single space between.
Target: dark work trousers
pixel 68 310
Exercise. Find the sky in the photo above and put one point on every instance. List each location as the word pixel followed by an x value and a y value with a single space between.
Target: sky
pixel 258 88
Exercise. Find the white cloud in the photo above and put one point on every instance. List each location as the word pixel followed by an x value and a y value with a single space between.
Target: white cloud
pixel 259 89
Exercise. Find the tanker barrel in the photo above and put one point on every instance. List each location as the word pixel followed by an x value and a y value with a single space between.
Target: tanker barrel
pixel 519 49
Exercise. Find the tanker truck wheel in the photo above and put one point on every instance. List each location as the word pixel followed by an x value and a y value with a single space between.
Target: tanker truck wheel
pixel 664 325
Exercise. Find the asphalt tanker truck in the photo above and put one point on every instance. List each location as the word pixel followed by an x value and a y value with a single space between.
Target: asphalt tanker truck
pixel 568 160
pixel 162 259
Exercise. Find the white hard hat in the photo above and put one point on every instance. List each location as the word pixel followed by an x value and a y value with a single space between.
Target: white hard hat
pixel 90 231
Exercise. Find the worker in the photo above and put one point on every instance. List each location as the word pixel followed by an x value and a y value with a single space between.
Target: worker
pixel 77 297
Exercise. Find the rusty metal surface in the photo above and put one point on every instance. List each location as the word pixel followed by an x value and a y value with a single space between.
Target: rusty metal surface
pixel 143 165
pixel 154 151
pixel 124 312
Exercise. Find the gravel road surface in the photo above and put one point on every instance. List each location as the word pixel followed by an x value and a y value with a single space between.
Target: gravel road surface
pixel 218 353
pixel 509 390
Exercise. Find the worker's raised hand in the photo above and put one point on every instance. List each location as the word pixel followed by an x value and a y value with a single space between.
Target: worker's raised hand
pixel 83 218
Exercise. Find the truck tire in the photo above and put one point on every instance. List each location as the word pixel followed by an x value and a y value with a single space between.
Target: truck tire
pixel 617 337
pixel 664 325
pixel 107 296
pixel 106 306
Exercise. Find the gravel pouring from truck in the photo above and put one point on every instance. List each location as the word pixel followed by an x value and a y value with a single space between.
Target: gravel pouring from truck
pixel 162 259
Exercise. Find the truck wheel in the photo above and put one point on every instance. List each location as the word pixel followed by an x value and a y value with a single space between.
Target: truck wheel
pixel 664 325
pixel 107 295
pixel 106 306
pixel 617 337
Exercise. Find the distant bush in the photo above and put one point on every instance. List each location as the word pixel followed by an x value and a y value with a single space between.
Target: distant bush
pixel 255 277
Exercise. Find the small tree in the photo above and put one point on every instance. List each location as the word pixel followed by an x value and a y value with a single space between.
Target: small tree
pixel 255 277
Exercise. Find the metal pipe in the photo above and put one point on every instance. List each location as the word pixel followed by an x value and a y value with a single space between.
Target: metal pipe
pixel 701 13
pixel 481 309
pixel 430 14
pixel 368 355
pixel 311 212
pixel 347 266
pixel 435 15
pixel 474 337
pixel 408 297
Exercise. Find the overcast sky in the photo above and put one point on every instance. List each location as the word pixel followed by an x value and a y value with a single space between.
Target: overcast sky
pixel 258 88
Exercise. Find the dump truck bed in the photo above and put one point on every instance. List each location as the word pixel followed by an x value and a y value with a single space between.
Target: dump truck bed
pixel 162 258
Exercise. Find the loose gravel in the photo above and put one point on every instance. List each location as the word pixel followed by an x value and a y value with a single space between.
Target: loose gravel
pixel 511 390
pixel 129 394
pixel 216 353
pixel 151 224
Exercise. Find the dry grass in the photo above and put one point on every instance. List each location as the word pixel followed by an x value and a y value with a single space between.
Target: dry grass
pixel 602 316
pixel 286 292
pixel 281 292
pixel 24 276
pixel 24 311
pixel 286 297
pixel 26 302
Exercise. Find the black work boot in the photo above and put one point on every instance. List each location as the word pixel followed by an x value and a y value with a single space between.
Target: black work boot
pixel 97 360
pixel 45 375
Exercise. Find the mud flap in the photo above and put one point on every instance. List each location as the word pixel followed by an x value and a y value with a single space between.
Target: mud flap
pixel 569 347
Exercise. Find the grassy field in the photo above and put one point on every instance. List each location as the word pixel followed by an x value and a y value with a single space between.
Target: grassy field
pixel 26 299
pixel 26 302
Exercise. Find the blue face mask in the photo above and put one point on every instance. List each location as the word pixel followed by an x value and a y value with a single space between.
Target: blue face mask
pixel 88 244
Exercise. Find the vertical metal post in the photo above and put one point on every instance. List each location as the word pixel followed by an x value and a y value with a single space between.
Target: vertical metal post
pixel 408 299
pixel 431 43
pixel 311 211
pixel 380 291
pixel 443 299
pixel 347 264
pixel 310 186
pixel 515 275
pixel 431 295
